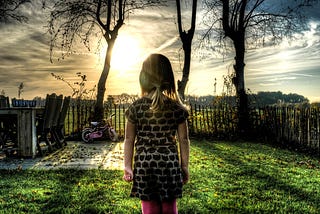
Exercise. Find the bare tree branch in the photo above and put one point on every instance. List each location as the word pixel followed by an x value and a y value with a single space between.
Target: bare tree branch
pixel 9 10
pixel 75 22
pixel 247 22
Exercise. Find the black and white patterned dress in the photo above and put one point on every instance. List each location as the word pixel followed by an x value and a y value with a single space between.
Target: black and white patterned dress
pixel 157 174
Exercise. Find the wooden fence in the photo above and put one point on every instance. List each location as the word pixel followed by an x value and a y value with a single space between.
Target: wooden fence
pixel 78 118
pixel 286 125
pixel 213 122
pixel 289 125
pixel 281 124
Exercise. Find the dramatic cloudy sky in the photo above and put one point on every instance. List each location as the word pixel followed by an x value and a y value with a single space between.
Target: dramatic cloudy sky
pixel 291 67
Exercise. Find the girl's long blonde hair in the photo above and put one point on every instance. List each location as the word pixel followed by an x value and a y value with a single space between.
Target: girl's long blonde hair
pixel 157 77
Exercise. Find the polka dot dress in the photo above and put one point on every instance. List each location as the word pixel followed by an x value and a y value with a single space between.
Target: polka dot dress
pixel 157 172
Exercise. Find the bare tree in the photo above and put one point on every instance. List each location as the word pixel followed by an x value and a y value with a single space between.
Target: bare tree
pixel 248 23
pixel 186 38
pixel 9 11
pixel 79 21
pixel 20 89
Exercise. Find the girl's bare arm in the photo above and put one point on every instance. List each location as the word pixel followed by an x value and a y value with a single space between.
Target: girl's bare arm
pixel 130 135
pixel 184 142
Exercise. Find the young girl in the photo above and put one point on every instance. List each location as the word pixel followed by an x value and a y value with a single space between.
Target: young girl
pixel 150 146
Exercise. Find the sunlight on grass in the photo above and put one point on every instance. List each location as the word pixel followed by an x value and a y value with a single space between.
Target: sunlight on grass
pixel 226 177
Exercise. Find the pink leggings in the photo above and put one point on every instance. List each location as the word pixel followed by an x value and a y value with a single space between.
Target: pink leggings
pixel 157 207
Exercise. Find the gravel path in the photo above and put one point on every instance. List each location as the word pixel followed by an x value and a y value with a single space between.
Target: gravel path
pixel 97 155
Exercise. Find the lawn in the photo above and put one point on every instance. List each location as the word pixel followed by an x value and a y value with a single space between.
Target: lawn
pixel 226 177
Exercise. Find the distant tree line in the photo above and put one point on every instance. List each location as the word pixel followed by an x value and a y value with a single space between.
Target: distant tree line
pixel 261 99
pixel 276 98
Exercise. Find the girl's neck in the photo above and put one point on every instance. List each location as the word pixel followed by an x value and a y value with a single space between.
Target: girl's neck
pixel 148 95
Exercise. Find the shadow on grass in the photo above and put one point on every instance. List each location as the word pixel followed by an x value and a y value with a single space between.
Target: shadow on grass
pixel 250 177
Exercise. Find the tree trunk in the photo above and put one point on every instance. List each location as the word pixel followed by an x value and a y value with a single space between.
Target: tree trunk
pixel 98 113
pixel 186 40
pixel 238 81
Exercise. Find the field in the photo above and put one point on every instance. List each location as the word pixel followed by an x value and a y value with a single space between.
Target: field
pixel 226 177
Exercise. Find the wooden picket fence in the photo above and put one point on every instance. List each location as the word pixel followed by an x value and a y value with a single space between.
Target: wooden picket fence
pixel 289 125
pixel 286 125
pixel 79 114
pixel 213 122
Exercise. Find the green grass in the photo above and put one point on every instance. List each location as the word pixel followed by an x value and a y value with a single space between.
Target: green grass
pixel 226 177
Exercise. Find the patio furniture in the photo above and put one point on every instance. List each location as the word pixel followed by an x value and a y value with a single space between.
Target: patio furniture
pixel 55 119
pixel 27 131
pixel 8 129
pixel 19 131
pixel 4 102
pixel 51 123
pixel 58 128
pixel 44 140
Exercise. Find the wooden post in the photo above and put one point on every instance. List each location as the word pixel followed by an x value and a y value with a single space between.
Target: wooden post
pixel 27 137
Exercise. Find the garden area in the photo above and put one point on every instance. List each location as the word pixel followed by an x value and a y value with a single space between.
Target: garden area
pixel 226 177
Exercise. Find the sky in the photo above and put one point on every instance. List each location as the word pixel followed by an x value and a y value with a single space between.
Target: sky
pixel 290 67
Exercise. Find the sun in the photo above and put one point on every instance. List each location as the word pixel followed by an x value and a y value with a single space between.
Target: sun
pixel 126 53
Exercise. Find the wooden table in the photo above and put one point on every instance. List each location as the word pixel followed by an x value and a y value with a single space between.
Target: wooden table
pixel 25 118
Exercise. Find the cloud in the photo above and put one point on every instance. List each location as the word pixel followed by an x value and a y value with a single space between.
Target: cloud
pixel 290 67
pixel 6 57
